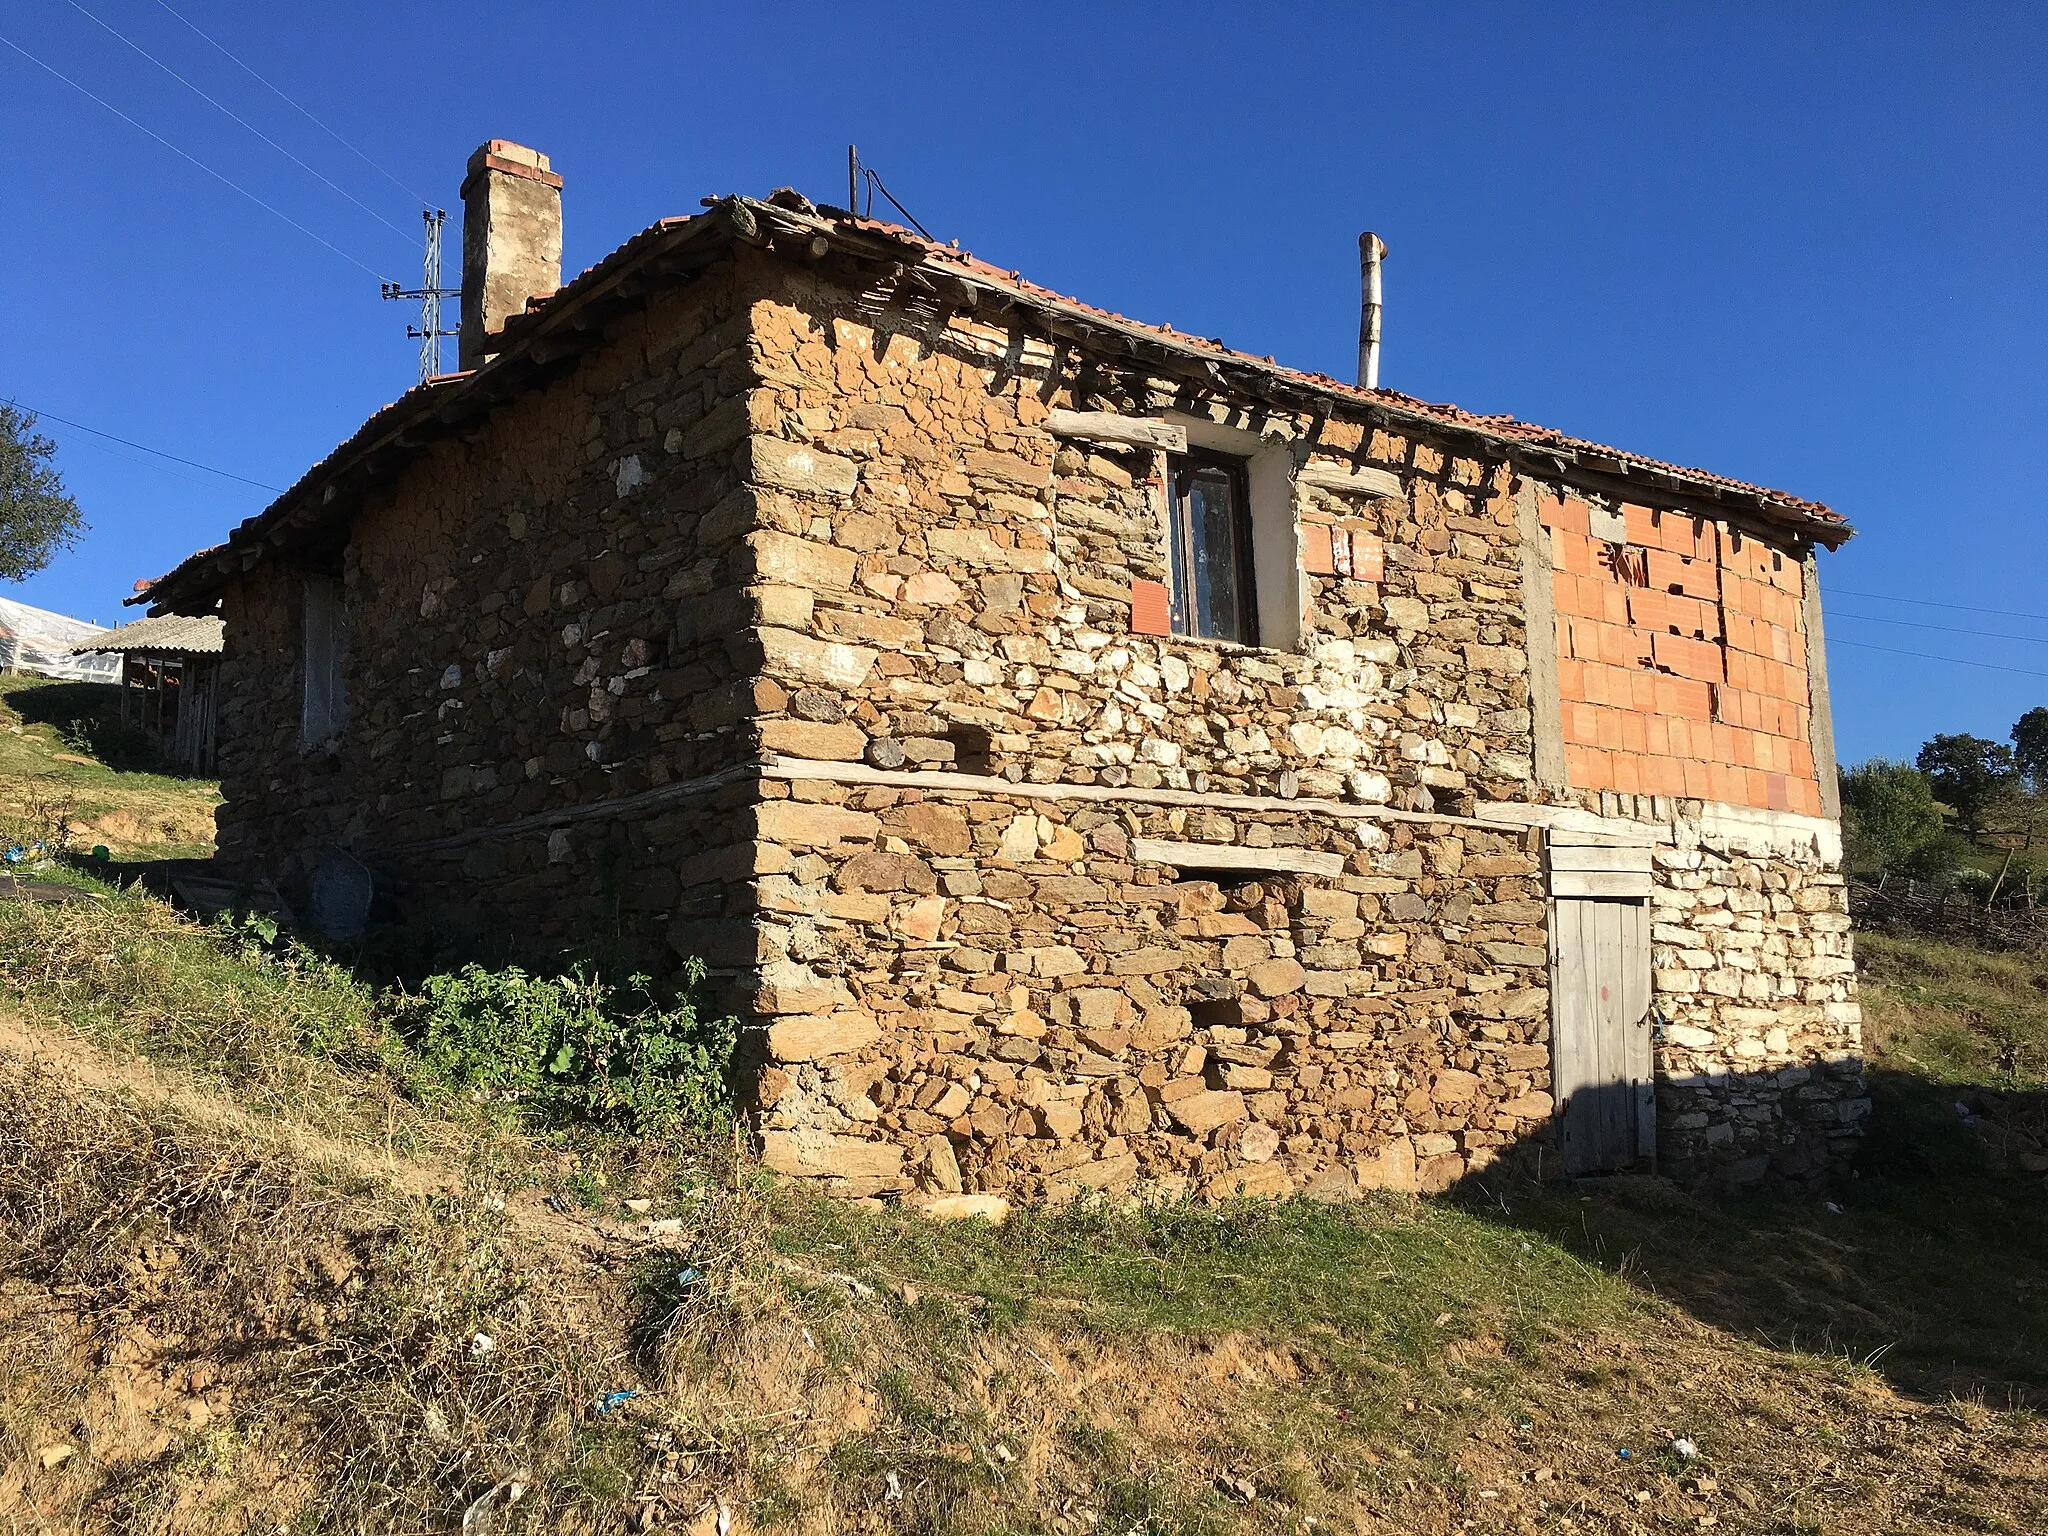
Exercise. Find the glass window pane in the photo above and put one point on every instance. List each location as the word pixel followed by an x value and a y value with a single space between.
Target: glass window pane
pixel 1213 516
pixel 1211 584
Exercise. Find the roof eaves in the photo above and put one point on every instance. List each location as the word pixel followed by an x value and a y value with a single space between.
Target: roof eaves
pixel 547 332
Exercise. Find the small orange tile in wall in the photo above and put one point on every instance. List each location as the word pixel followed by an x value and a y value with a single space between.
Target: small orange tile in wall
pixel 1368 557
pixel 1149 609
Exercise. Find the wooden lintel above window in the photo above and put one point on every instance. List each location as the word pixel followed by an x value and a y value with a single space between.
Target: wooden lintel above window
pixel 1358 480
pixel 1109 427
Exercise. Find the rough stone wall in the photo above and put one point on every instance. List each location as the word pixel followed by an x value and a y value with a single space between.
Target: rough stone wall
pixel 991 992
pixel 540 618
pixel 1760 1034
pixel 954 583
pixel 771 521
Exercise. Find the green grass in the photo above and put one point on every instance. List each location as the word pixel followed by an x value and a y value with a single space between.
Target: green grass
pixel 48 775
pixel 1951 1014
pixel 1103 1368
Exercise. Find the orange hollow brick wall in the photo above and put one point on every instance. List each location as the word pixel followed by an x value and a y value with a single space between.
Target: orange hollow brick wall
pixel 1681 660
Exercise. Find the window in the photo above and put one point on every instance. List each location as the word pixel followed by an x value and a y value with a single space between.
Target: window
pixel 324 710
pixel 1210 534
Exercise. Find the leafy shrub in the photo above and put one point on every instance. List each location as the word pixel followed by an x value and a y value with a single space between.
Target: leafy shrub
pixel 570 1048
pixel 1888 815
pixel 118 745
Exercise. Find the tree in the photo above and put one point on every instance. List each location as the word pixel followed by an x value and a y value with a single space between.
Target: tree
pixel 2030 749
pixel 1889 815
pixel 37 515
pixel 1968 774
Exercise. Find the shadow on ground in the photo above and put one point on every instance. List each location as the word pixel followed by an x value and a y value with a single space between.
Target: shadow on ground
pixel 1926 1260
pixel 88 716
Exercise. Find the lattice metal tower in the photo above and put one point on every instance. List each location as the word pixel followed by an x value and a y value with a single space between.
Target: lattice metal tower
pixel 430 294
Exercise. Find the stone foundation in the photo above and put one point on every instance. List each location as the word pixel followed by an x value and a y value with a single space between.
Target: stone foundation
pixel 1029 995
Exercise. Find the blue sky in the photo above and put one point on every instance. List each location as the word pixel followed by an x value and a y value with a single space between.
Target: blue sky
pixel 1797 245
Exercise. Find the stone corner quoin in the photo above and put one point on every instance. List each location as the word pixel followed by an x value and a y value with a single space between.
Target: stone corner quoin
pixel 781 629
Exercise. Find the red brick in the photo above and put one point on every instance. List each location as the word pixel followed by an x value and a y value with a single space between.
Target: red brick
pixel 1698 659
pixel 1610 730
pixel 1368 556
pixel 1663 776
pixel 1571 676
pixel 1150 608
pixel 1567 515
pixel 1694 578
pixel 1628 774
pixel 1697 784
pixel 1648 609
pixel 1588 768
pixel 1635 733
pixel 1317 557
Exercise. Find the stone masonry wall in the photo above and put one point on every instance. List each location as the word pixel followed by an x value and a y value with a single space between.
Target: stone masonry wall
pixel 784 632
pixel 997 996
pixel 1760 1033
pixel 532 629
pixel 957 583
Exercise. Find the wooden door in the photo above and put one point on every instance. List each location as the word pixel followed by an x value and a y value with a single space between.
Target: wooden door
pixel 1600 1032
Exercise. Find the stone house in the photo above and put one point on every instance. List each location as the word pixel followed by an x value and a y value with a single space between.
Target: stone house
pixel 1090 757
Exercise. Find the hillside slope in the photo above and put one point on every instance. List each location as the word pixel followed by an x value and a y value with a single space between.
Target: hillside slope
pixel 244 1289
pixel 255 1275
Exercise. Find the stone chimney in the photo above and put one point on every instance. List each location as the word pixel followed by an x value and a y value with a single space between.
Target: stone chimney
pixel 511 241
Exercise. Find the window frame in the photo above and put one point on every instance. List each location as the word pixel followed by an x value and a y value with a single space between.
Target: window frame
pixel 1180 545
pixel 323 654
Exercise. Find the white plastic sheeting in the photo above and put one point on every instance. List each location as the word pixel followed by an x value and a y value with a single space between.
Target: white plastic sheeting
pixel 34 641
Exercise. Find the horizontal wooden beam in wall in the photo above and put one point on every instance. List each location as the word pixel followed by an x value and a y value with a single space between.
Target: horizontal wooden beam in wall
pixel 1593 856
pixel 1298 861
pixel 1356 480
pixel 797 768
pixel 1109 427
pixel 1613 883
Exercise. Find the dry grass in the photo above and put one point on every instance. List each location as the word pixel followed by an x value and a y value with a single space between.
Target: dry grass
pixel 243 1274
pixel 236 1334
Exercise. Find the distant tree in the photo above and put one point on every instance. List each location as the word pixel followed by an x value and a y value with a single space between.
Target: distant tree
pixel 1889 816
pixel 1969 774
pixel 2030 749
pixel 37 515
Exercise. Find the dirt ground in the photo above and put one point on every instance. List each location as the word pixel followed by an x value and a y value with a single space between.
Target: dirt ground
pixel 216 1321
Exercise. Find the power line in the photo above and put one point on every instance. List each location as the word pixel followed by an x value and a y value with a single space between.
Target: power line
pixel 1925 602
pixel 308 116
pixel 1947 629
pixel 1954 661
pixel 194 159
pixel 238 118
pixel 141 448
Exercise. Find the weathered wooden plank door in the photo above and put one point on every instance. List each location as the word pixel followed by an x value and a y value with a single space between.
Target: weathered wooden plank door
pixel 1600 1032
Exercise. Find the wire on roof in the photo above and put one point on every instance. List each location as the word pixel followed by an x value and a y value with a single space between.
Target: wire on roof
pixel 194 159
pixel 424 202
pixel 244 122
pixel 79 426
pixel 875 184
